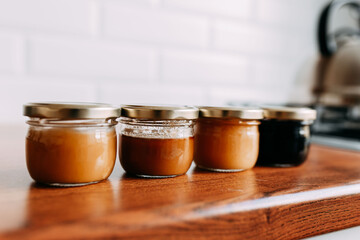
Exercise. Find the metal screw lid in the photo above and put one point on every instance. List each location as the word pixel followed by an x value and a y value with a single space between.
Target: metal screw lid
pixel 289 113
pixel 231 112
pixel 67 110
pixel 159 112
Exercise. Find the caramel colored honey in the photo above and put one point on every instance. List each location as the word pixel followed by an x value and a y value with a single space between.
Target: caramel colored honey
pixel 156 156
pixel 226 144
pixel 70 156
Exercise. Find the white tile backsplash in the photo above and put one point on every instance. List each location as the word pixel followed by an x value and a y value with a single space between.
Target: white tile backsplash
pixel 10 53
pixel 247 95
pixel 90 58
pixel 15 92
pixel 66 16
pixel 152 25
pixel 193 52
pixel 231 8
pixel 274 72
pixel 294 14
pixel 203 67
pixel 251 38
pixel 152 94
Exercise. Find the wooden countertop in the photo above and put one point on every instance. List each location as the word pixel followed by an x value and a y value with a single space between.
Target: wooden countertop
pixel 320 196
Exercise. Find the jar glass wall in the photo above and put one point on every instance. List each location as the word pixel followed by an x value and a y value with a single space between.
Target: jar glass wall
pixel 285 136
pixel 70 152
pixel 284 143
pixel 226 145
pixel 227 138
pixel 156 148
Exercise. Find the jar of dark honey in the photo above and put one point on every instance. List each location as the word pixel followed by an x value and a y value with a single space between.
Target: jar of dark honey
pixel 156 141
pixel 285 136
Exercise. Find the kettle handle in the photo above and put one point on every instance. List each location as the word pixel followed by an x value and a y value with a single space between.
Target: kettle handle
pixel 326 46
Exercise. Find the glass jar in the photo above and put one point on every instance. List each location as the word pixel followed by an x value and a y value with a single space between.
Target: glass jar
pixel 70 144
pixel 157 141
pixel 227 138
pixel 285 136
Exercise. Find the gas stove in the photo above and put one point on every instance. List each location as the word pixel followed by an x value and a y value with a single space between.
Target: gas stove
pixel 337 127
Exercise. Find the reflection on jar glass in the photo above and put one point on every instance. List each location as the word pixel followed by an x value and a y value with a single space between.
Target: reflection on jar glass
pixel 156 141
pixel 70 144
pixel 285 136
pixel 227 138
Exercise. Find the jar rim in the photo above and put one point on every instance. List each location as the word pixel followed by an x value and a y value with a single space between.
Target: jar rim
pixel 71 110
pixel 248 113
pixel 159 112
pixel 71 123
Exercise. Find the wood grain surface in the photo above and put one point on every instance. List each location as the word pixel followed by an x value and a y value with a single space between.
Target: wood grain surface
pixel 323 195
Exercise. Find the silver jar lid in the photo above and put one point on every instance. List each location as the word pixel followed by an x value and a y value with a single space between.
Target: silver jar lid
pixel 159 112
pixel 289 113
pixel 64 110
pixel 231 112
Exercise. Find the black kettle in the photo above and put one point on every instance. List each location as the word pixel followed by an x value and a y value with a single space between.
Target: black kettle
pixel 338 69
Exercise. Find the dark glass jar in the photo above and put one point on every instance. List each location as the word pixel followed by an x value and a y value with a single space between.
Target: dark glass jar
pixel 285 136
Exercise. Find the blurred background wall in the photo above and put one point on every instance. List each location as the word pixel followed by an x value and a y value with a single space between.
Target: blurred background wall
pixel 155 51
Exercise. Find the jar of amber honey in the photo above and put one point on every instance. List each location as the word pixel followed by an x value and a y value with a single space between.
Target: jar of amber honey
pixel 227 138
pixel 70 144
pixel 156 141
pixel 285 136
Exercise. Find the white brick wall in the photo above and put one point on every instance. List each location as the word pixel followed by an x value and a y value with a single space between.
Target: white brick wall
pixel 203 67
pixel 154 51
pixel 91 59
pixel 67 16
pixel 11 53
pixel 151 25
pixel 148 93
pixel 230 8
pixel 253 39
pixel 16 91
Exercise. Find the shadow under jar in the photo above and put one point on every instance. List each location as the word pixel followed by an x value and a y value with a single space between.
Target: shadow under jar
pixel 157 141
pixel 70 144
pixel 227 138
pixel 285 136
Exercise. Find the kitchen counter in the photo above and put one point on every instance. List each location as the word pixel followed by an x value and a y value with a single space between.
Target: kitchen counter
pixel 321 196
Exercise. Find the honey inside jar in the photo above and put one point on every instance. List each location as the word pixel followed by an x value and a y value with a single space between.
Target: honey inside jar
pixel 158 157
pixel 156 141
pixel 70 144
pixel 285 136
pixel 70 156
pixel 227 139
pixel 226 144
